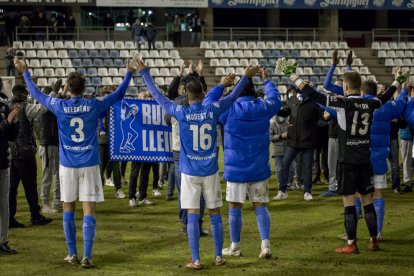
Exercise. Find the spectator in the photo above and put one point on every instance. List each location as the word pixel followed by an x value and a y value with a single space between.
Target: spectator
pixel 23 159
pixel 177 31
pixel 8 132
pixel 151 34
pixel 70 25
pixel 138 34
pixel 53 30
pixel 406 148
pixel 40 24
pixel 11 70
pixel 3 23
pixel 196 25
pixel 24 27
pixel 109 24
pixel 49 154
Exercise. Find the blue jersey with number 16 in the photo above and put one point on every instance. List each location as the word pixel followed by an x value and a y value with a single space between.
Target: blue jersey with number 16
pixel 78 122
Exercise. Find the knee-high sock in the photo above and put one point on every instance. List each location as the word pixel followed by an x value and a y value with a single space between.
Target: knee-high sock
pixel 351 221
pixel 235 222
pixel 69 228
pixel 358 206
pixel 193 230
pixel 217 232
pixel 89 229
pixel 379 205
pixel 263 222
pixel 371 220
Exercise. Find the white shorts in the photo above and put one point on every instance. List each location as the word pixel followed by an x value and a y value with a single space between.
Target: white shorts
pixel 257 191
pixel 193 186
pixel 85 180
pixel 380 181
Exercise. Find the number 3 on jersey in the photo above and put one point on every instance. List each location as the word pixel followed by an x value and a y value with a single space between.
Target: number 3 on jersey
pixel 365 123
pixel 78 124
pixel 201 139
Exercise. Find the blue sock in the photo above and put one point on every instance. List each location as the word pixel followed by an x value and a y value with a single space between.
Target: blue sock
pixel 89 229
pixel 358 207
pixel 193 232
pixel 235 222
pixel 263 222
pixel 69 228
pixel 217 232
pixel 379 205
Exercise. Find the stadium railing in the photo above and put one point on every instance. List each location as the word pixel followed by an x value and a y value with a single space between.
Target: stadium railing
pixel 392 34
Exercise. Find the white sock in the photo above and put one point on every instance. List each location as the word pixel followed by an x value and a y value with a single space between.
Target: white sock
pixel 265 244
pixel 351 242
pixel 235 245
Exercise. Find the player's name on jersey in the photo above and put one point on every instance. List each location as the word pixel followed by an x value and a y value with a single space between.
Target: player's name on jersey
pixel 197 116
pixel 156 141
pixel 153 115
pixel 77 109
pixel 361 105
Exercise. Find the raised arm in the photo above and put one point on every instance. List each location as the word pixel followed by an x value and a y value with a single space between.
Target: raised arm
pixel 166 104
pixel 273 100
pixel 216 92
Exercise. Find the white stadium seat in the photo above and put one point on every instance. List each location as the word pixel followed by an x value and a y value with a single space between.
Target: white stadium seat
pixel 233 45
pixel 109 45
pixel 52 54
pixel 56 63
pixel 129 45
pixel 27 45
pixel 219 53
pixel 79 45
pixel 38 72
pixel 44 63
pixel 41 54
pixel 67 63
pixel 223 45
pixel 204 45
pixel 119 45
pixel 224 62
pixel 165 72
pixel 228 53
pixel 251 45
pixel 168 45
pixel 48 45
pixel 17 45
pixel 89 45
pixel 62 54
pixel 214 45
pixel 242 45
pixel 270 45
pixel 42 82
pixel 375 46
pixel 68 45
pixel 389 62
pixel 220 71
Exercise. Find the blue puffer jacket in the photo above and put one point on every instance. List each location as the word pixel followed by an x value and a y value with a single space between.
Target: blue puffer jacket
pixel 380 131
pixel 405 134
pixel 246 136
pixel 409 112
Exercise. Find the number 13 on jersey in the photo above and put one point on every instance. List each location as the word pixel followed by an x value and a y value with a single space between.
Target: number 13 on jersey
pixel 201 138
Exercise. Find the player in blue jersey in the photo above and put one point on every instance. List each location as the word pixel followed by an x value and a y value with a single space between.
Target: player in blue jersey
pixel 246 160
pixel 79 153
pixel 198 155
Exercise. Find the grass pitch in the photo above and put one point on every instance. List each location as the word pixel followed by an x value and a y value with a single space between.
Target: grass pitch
pixel 147 241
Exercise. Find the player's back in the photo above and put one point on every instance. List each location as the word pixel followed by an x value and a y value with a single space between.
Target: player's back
pixel 78 123
pixel 198 138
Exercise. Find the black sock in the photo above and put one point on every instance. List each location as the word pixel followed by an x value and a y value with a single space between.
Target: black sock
pixel 371 219
pixel 351 220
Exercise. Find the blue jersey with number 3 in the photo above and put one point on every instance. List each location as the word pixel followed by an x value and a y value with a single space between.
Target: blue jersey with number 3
pixel 78 123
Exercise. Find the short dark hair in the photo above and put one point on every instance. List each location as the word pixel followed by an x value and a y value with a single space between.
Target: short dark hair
pixel 76 83
pixel 194 91
pixel 352 79
pixel 369 87
pixel 248 90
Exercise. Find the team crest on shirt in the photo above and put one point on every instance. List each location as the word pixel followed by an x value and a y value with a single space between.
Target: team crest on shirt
pixel 216 105
pixel 100 98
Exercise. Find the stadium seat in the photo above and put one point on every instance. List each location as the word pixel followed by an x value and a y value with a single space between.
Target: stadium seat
pixel 375 46
pixel 104 53
pixel 93 53
pixel 233 45
pixel 244 62
pixel 114 54
pixel 389 62
pixel 238 54
pixel 79 45
pixel 42 82
pixel 391 54
pixel 109 45
pixel 313 54
pixel 45 63
pixel 357 62
pixel 204 45
pixel 48 45
pixel 242 45
pixel 223 45
pixel 168 45
pixel 129 45
pixel 155 72
pixel 272 62
pixel 144 54
pixel 256 80
pixel 276 54
pixel 51 81
pixel 263 62
pixel 89 45
pixel 60 72
pixel 124 54
pixel 38 72
pixel 159 62
pixel 317 70
pixel 70 70
pixel 174 54
pixel 251 45
pixel 297 45
pixel 228 53
pixel 116 80
pixel 248 53
pixel 90 90
pixel 119 45
pixel 364 70
pixel 219 53
pixel 17 45
pixel 96 81
pixel 393 45
pixel 214 45
pixel 62 54
pixel 285 53
pixel 49 72
pixel 343 45
pixel 122 71
pixel 289 45
pixel 220 71
pixel 106 81
pixel 178 62
pixel 319 62
pixel 398 62
pixel 150 62
pixel 97 62
pixel 307 71
pixel 324 53
pixel 42 54
pixel 99 45
pixel 399 54
pixel 316 45
pixel 257 53
pixel 119 63
pixel 254 61
pixel 174 71
pixel 92 71
pixel 159 80
pixel 282 89
pixel 261 45
pixel 334 45
pixel 27 45
pixel 314 79
pixel 410 45
pixel 132 90
pixel 73 54
pixel 270 45
pixel 154 54
pixel 295 53
pixel 168 80
pixel 111 72
pixel 169 62
pixel 382 54
pixel 325 45
pixel 164 54
pixel 409 53
pixel 239 71
pixel 304 53
pixel 67 63
pixel 83 53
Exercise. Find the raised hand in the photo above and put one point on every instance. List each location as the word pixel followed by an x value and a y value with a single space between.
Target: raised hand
pixel 264 73
pixel 13 114
pixel 287 67
pixel 132 65
pixel 251 71
pixel 140 65
pixel 21 65
pixel 182 66
pixel 57 85
pixel 228 80
pixel 399 75
pixel 335 59
pixel 349 59
pixel 200 67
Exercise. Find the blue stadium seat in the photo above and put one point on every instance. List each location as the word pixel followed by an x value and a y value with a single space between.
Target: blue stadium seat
pixel 108 62
pixel 301 62
pixel 97 62
pixel 270 71
pixel 73 53
pixel 285 80
pixel 119 63
pixel 317 70
pixel 275 80
pixel 90 90
pixel 138 81
pixel 314 79
pixel 77 63
pixel 272 62
pixel 83 53
pixel 96 81
pixel 87 62
pixel 263 62
pixel 310 62
pixel 286 53
pixel 114 54
pixel 81 70
pixel 322 79
pixel 257 80
pixel 92 72
pixel 132 90
pixel 267 53
pixel 104 53
pixel 295 53
pixel 93 53
pixel 276 54
pixel 87 81
pixel 325 70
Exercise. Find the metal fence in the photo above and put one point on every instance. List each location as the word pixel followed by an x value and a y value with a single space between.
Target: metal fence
pixel 399 35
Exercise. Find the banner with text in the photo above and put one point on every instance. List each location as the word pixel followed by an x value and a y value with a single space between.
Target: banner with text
pixel 49 2
pixel 153 3
pixel 314 4
pixel 138 132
